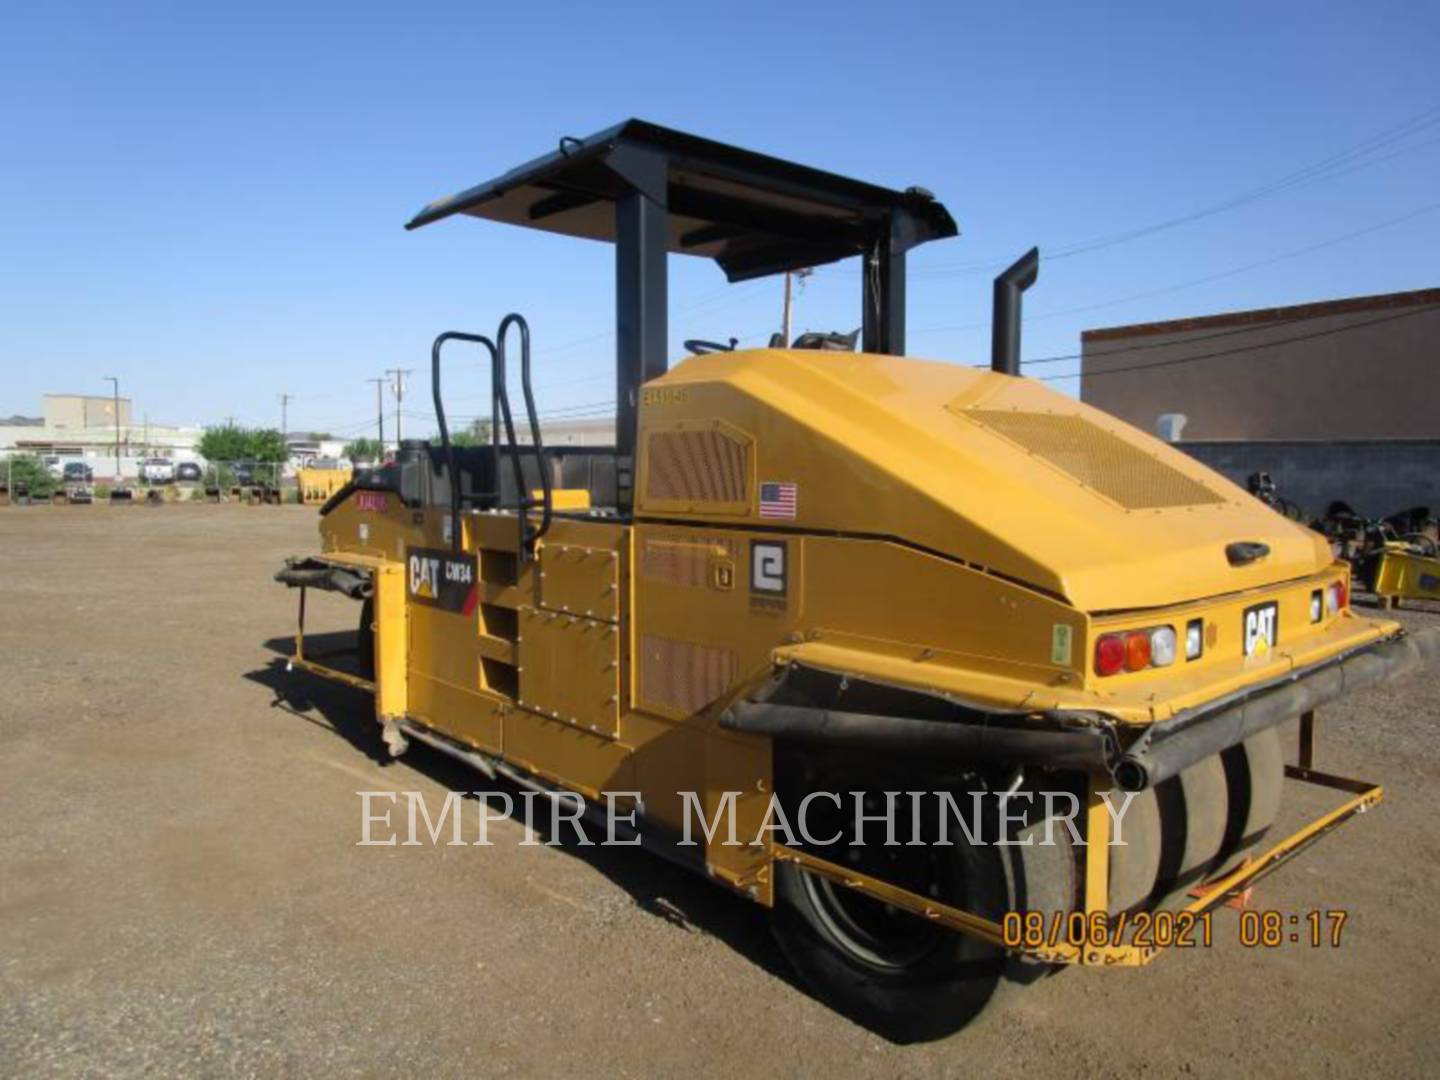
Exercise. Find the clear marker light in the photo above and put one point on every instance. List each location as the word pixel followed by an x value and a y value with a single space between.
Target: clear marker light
pixel 1315 611
pixel 1194 638
pixel 1162 646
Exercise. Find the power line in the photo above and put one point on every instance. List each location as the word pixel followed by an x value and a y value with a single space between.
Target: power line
pixel 1245 348
pixel 1250 329
pixel 1335 165
pixel 1253 328
pixel 1207 279
pixel 1306 174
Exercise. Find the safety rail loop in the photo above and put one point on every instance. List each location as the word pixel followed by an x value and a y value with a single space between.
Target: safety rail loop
pixel 446 444
pixel 500 413
pixel 524 502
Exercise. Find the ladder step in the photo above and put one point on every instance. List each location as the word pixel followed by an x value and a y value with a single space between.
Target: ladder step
pixel 494 648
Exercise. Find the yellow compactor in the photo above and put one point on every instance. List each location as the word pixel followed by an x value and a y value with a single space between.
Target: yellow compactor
pixel 824 567
pixel 319 480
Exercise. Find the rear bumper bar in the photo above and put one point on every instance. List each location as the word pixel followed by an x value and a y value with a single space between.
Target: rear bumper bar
pixel 1087 741
pixel 1169 747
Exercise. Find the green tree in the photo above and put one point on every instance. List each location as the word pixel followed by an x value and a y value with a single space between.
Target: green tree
pixel 476 434
pixel 267 444
pixel 29 470
pixel 227 443
pixel 234 443
pixel 364 450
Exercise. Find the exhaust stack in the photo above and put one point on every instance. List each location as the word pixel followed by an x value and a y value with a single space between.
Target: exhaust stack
pixel 1005 322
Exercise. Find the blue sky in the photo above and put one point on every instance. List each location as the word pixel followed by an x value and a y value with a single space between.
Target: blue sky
pixel 207 201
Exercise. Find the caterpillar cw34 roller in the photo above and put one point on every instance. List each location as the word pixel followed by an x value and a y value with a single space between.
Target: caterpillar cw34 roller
pixel 809 570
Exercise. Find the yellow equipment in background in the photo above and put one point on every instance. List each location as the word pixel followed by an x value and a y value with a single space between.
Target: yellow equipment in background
pixel 319 482
pixel 1403 573
pixel 806 570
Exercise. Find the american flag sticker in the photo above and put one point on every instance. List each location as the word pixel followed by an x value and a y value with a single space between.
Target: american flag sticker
pixel 778 501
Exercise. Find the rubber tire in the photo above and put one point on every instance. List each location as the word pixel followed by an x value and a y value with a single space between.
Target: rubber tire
pixel 1194 809
pixel 1041 877
pixel 927 1001
pixel 1135 861
pixel 1255 776
pixel 952 977
pixel 365 640
pixel 962 975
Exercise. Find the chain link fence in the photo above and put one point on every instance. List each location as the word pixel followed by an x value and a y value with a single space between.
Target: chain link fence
pixel 28 479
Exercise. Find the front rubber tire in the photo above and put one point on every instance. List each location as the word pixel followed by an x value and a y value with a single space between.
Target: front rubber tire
pixel 914 980
pixel 946 984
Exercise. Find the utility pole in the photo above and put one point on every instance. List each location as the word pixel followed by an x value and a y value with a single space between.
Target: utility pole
pixel 399 374
pixel 785 324
pixel 285 400
pixel 116 387
pixel 380 410
pixel 785 320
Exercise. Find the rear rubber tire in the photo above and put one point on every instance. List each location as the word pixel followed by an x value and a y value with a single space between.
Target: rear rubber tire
pixel 1135 858
pixel 1255 777
pixel 1194 809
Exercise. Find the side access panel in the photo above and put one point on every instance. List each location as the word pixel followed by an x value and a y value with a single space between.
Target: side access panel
pixel 572 660
pixel 570 669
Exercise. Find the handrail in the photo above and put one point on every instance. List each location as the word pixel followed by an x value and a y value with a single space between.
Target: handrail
pixel 449 448
pixel 500 412
pixel 547 495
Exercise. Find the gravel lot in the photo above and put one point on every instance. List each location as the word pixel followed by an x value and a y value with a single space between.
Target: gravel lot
pixel 181 894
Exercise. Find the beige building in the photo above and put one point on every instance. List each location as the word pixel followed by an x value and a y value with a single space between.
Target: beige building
pixel 80 427
pixel 1360 368
pixel 80 411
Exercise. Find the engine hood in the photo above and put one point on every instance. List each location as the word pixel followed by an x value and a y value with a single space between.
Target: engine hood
pixel 998 471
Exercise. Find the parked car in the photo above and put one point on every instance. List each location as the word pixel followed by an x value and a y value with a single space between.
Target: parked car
pixel 77 472
pixel 188 471
pixel 157 470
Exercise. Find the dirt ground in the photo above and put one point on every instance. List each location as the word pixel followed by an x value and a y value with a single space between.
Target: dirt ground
pixel 181 892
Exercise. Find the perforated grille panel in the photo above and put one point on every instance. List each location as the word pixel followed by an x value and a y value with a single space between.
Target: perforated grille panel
pixel 1100 460
pixel 704 465
pixel 682 675
pixel 683 561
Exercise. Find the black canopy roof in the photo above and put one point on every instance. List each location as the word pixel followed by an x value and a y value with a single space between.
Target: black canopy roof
pixel 752 213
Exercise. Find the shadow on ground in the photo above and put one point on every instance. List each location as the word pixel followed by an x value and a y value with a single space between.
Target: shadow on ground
pixel 658 887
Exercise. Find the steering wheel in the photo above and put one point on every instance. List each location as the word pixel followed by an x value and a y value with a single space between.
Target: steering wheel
pixel 697 347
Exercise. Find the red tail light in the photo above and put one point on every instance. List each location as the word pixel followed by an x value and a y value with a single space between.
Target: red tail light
pixel 1109 654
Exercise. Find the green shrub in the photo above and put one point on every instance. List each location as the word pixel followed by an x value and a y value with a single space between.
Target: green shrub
pixel 29 470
